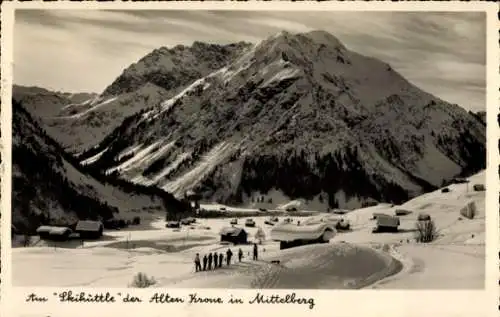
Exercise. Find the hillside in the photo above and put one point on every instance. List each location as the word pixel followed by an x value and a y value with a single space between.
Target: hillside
pixel 297 116
pixel 49 188
pixel 80 121
pixel 303 115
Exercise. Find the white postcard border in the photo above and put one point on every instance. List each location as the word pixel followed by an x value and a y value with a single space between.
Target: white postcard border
pixel 334 302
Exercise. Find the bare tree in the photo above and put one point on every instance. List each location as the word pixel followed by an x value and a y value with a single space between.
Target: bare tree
pixel 426 231
pixel 141 280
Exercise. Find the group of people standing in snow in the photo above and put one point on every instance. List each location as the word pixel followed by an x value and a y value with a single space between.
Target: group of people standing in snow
pixel 214 260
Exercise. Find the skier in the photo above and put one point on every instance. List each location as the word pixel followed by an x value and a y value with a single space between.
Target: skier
pixel 229 255
pixel 240 254
pixel 210 261
pixel 255 252
pixel 205 259
pixel 216 260
pixel 197 262
pixel 221 258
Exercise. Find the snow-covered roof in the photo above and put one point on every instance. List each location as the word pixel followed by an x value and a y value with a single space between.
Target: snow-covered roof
pixel 88 225
pixel 381 214
pixel 44 229
pixel 291 232
pixel 232 231
pixel 331 220
pixel 52 230
pixel 59 230
pixel 387 220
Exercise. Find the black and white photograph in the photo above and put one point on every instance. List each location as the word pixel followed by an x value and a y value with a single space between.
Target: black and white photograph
pixel 239 149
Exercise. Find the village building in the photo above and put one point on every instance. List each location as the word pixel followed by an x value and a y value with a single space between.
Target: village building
pixel 234 235
pixel 479 188
pixel 290 235
pixel 54 233
pixel 386 223
pixel 89 229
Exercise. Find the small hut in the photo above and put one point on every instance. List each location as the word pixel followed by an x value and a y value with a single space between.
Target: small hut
pixel 479 188
pixel 44 232
pixel 89 229
pixel 173 224
pixel 111 224
pixel 234 235
pixel 54 233
pixel 290 235
pixel 386 223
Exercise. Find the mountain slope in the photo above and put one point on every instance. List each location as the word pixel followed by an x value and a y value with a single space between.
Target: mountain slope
pixel 79 122
pixel 303 115
pixel 175 67
pixel 45 103
pixel 48 188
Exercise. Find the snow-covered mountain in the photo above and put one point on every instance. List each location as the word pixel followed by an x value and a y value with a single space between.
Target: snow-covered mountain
pixel 297 114
pixel 80 121
pixel 44 103
pixel 48 187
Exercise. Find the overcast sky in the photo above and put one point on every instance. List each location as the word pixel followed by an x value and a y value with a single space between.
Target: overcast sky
pixel 444 54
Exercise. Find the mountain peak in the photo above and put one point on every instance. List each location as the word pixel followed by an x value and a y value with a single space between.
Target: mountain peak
pixel 323 37
pixel 318 37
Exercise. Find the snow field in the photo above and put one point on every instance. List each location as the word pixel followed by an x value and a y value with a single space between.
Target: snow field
pixel 352 259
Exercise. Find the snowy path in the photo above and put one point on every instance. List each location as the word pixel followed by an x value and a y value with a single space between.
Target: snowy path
pixel 428 267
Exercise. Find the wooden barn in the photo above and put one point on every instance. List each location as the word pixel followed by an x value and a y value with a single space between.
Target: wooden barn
pixel 386 223
pixel 89 229
pixel 54 233
pixel 234 235
pixel 479 188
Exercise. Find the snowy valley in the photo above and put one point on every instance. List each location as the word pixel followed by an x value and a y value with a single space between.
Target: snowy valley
pixel 247 137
